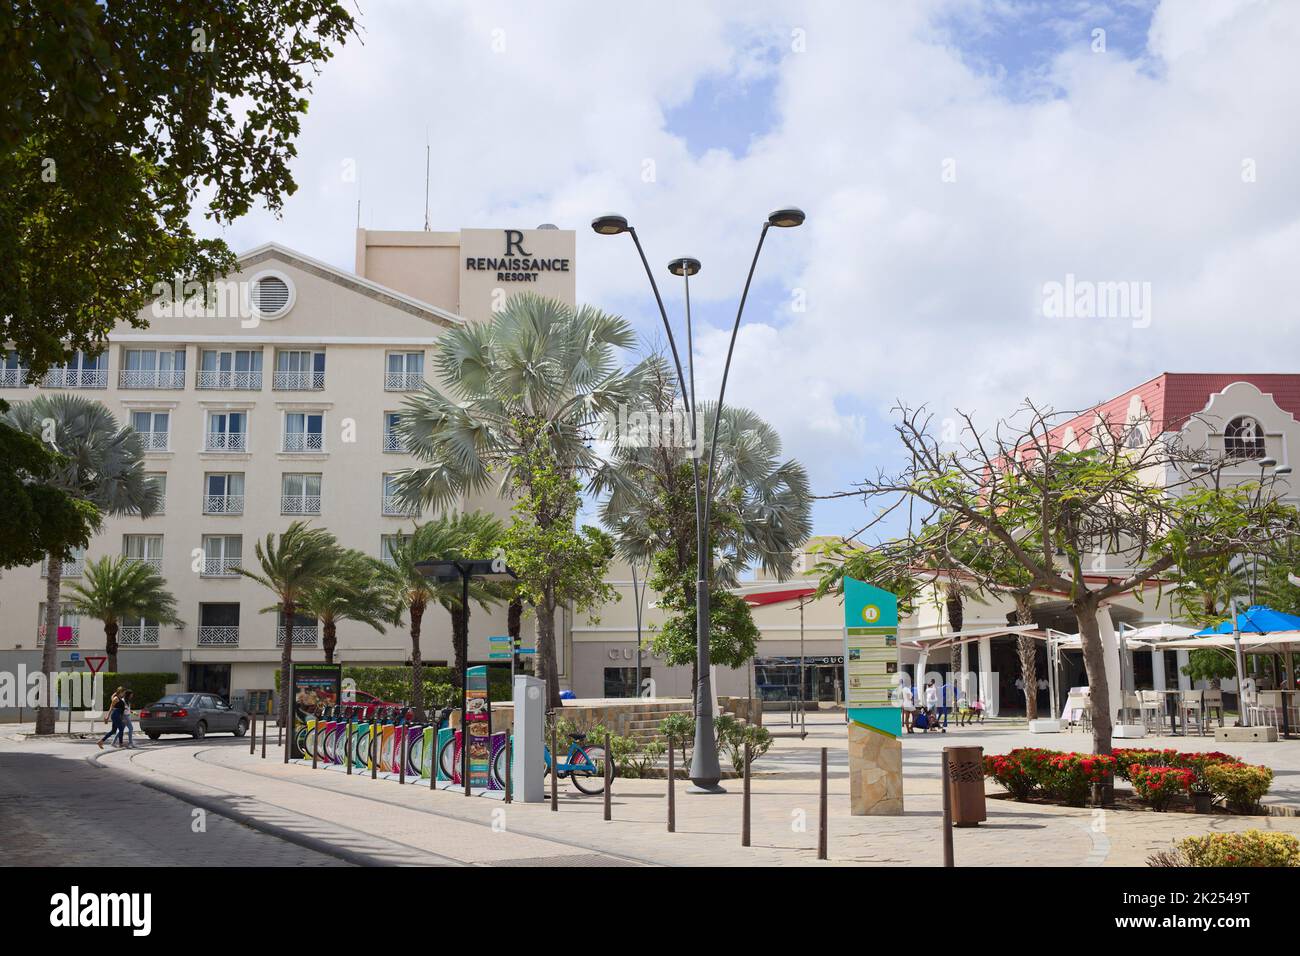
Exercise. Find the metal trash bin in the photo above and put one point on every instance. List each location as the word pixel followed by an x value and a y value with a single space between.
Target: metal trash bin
pixel 966 785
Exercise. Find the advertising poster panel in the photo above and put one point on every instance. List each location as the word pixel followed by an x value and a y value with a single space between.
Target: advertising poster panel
pixel 313 686
pixel 478 727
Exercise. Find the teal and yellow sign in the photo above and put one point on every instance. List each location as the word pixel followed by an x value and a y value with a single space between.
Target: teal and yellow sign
pixel 871 657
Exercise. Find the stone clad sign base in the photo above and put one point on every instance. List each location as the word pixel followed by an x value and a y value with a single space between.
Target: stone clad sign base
pixel 875 773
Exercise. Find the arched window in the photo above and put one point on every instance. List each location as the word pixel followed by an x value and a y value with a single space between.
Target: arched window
pixel 1243 438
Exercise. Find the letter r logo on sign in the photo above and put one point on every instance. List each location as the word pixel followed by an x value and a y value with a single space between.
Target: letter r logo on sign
pixel 515 243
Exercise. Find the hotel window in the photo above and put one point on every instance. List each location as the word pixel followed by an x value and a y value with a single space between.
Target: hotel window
pixel 403 371
pixel 218 625
pixel 393 442
pixel 153 428
pixel 238 369
pixel 299 494
pixel 73 565
pixel 304 630
pixel 227 431
pixel 152 368
pixel 392 500
pixel 159 480
pixel 223 493
pixel 1243 439
pixel 137 632
pixel 304 431
pixel 298 371
pixel 222 555
pixel 66 619
pixel 147 548
pixel 12 372
pixel 387 543
pixel 621 681
pixel 80 371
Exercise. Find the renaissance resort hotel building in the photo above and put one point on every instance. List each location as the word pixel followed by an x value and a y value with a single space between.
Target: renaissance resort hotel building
pixel 283 413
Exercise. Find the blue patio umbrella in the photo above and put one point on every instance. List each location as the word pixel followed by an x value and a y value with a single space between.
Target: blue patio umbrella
pixel 1259 619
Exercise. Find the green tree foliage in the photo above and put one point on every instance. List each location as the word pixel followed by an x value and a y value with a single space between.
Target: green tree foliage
pixel 733 635
pixel 113 115
pixel 118 587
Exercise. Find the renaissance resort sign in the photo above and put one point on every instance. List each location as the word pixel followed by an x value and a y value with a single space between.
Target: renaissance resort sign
pixel 516 264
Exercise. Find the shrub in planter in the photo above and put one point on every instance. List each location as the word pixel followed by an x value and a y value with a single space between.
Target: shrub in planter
pixel 1159 786
pixel 1252 848
pixel 1070 776
pixel 1239 785
pixel 1127 757
pixel 733 734
pixel 1198 764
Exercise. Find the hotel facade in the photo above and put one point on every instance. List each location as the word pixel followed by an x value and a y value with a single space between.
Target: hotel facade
pixel 284 409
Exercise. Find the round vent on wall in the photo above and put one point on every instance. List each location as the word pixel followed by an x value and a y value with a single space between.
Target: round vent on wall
pixel 272 295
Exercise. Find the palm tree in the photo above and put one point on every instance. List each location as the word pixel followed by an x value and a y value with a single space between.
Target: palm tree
pixel 290 567
pixel 539 370
pixel 103 465
pixel 471 535
pixel 121 587
pixel 353 590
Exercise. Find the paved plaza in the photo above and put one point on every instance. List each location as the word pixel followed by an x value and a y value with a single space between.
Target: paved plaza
pixel 141 801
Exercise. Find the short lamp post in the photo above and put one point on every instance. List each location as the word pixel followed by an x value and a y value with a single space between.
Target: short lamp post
pixel 705 771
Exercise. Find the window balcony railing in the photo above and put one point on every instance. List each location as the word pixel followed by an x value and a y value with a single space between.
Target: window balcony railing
pixel 222 567
pixel 76 636
pixel 13 378
pixel 153 441
pixel 394 443
pixel 395 507
pixel 302 636
pixel 223 504
pixel 218 635
pixel 71 569
pixel 297 381
pixel 151 378
pixel 300 504
pixel 76 378
pixel 303 441
pixel 141 635
pixel 226 441
pixel 224 378
pixel 155 563
pixel 403 381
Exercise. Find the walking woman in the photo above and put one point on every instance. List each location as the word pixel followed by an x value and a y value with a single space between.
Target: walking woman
pixel 114 714
pixel 126 721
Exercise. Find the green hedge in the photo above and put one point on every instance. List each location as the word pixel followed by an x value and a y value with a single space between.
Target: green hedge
pixel 394 684
pixel 148 687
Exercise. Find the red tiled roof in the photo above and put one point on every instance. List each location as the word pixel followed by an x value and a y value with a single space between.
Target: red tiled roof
pixel 1171 398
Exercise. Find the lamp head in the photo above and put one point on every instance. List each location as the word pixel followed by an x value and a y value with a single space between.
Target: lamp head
pixel 685 266
pixel 610 224
pixel 1200 469
pixel 786 218
pixel 1283 471
pixel 1267 462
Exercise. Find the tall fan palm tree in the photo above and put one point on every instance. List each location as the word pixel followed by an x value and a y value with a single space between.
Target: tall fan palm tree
pixel 354 589
pixel 119 587
pixel 471 535
pixel 103 465
pixel 289 567
pixel 540 370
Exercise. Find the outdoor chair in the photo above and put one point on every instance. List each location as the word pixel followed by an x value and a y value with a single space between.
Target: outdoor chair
pixel 1189 704
pixel 1214 701
pixel 1081 718
pixel 1152 705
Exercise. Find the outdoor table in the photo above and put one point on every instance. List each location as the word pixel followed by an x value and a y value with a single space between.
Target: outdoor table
pixel 1176 720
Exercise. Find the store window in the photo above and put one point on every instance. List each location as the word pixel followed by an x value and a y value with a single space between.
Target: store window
pixel 621 681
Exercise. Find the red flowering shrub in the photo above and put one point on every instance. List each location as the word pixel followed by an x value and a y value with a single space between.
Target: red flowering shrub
pixel 1015 771
pixel 1158 786
pixel 1069 776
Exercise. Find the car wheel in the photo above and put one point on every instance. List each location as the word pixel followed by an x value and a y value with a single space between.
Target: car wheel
pixel 200 730
pixel 152 734
pixel 241 728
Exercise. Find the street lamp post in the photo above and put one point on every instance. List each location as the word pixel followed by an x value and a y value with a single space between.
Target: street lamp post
pixel 705 771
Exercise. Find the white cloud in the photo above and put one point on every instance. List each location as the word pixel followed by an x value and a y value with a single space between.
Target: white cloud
pixel 916 288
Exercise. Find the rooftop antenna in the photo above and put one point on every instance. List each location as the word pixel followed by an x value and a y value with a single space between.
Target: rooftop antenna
pixel 426 179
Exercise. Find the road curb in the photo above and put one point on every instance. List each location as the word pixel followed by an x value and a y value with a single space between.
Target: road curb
pixel 354 857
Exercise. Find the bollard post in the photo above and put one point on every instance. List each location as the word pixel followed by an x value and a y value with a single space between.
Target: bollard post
pixel 510 763
pixel 609 778
pixel 947 813
pixel 433 756
pixel 555 763
pixel 252 743
pixel 347 749
pixel 374 754
pixel 672 797
pixel 822 823
pixel 401 758
pixel 264 739
pixel 313 741
pixel 286 735
pixel 744 812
